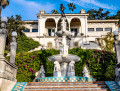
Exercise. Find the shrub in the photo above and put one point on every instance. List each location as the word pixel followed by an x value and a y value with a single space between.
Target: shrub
pixel 100 63
pixel 29 63
pixel 25 44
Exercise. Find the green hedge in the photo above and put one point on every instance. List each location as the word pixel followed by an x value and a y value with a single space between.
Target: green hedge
pixel 101 63
pixel 25 44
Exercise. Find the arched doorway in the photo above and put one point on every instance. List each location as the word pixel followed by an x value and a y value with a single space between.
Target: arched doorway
pixel 75 26
pixel 50 27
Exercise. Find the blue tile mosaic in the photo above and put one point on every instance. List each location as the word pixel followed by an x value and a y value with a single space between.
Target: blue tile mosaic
pixel 113 86
pixel 19 86
pixel 65 79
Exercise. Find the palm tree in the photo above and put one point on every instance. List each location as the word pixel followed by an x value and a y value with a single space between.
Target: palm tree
pixel 71 7
pixel 3 4
pixel 55 12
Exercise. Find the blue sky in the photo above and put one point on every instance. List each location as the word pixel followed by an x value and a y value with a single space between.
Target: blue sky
pixel 29 8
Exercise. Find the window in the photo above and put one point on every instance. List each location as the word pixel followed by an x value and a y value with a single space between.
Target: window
pixel 74 30
pixel 34 30
pixel 108 29
pixel 49 45
pixel 28 30
pixel 75 44
pixel 51 32
pixel 99 29
pixel 90 29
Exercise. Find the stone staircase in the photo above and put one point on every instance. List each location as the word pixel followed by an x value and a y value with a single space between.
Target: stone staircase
pixel 66 86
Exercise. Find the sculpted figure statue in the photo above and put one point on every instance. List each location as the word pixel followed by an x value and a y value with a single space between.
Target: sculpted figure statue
pixel 62 8
pixel 71 69
pixel 42 72
pixel 56 66
pixel 117 73
pixel 57 70
pixel 71 66
pixel 86 72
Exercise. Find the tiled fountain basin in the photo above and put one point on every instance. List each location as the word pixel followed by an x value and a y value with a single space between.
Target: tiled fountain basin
pixel 65 79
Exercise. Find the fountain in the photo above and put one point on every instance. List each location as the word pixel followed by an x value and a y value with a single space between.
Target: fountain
pixel 64 69
pixel 64 62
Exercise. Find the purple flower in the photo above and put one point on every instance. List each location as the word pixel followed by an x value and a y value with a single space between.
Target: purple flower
pixel 30 60
pixel 87 61
pixel 22 60
pixel 33 71
pixel 98 60
pixel 25 65
pixel 29 69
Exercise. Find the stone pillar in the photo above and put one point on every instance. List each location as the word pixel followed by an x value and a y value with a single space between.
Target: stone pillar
pixel 69 27
pixel 56 27
pixel 7 70
pixel 3 34
pixel 117 51
pixel 13 47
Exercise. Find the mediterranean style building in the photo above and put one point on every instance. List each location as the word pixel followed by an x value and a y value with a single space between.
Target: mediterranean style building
pixel 85 32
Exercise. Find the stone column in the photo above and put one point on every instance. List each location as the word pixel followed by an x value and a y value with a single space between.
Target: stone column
pixel 3 34
pixel 69 27
pixel 56 27
pixel 7 70
pixel 13 47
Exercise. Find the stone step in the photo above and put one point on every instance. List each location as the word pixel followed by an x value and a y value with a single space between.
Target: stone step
pixel 59 84
pixel 66 86
pixel 70 89
pixel 38 84
pixel 83 86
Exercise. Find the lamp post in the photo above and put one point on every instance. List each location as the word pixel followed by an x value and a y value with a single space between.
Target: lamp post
pixel 117 52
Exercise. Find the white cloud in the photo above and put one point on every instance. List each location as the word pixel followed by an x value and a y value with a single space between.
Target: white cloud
pixel 91 4
pixel 34 6
pixel 27 9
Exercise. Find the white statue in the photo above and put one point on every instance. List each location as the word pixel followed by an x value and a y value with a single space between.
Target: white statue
pixel 86 72
pixel 42 72
pixel 56 66
pixel 57 70
pixel 71 69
